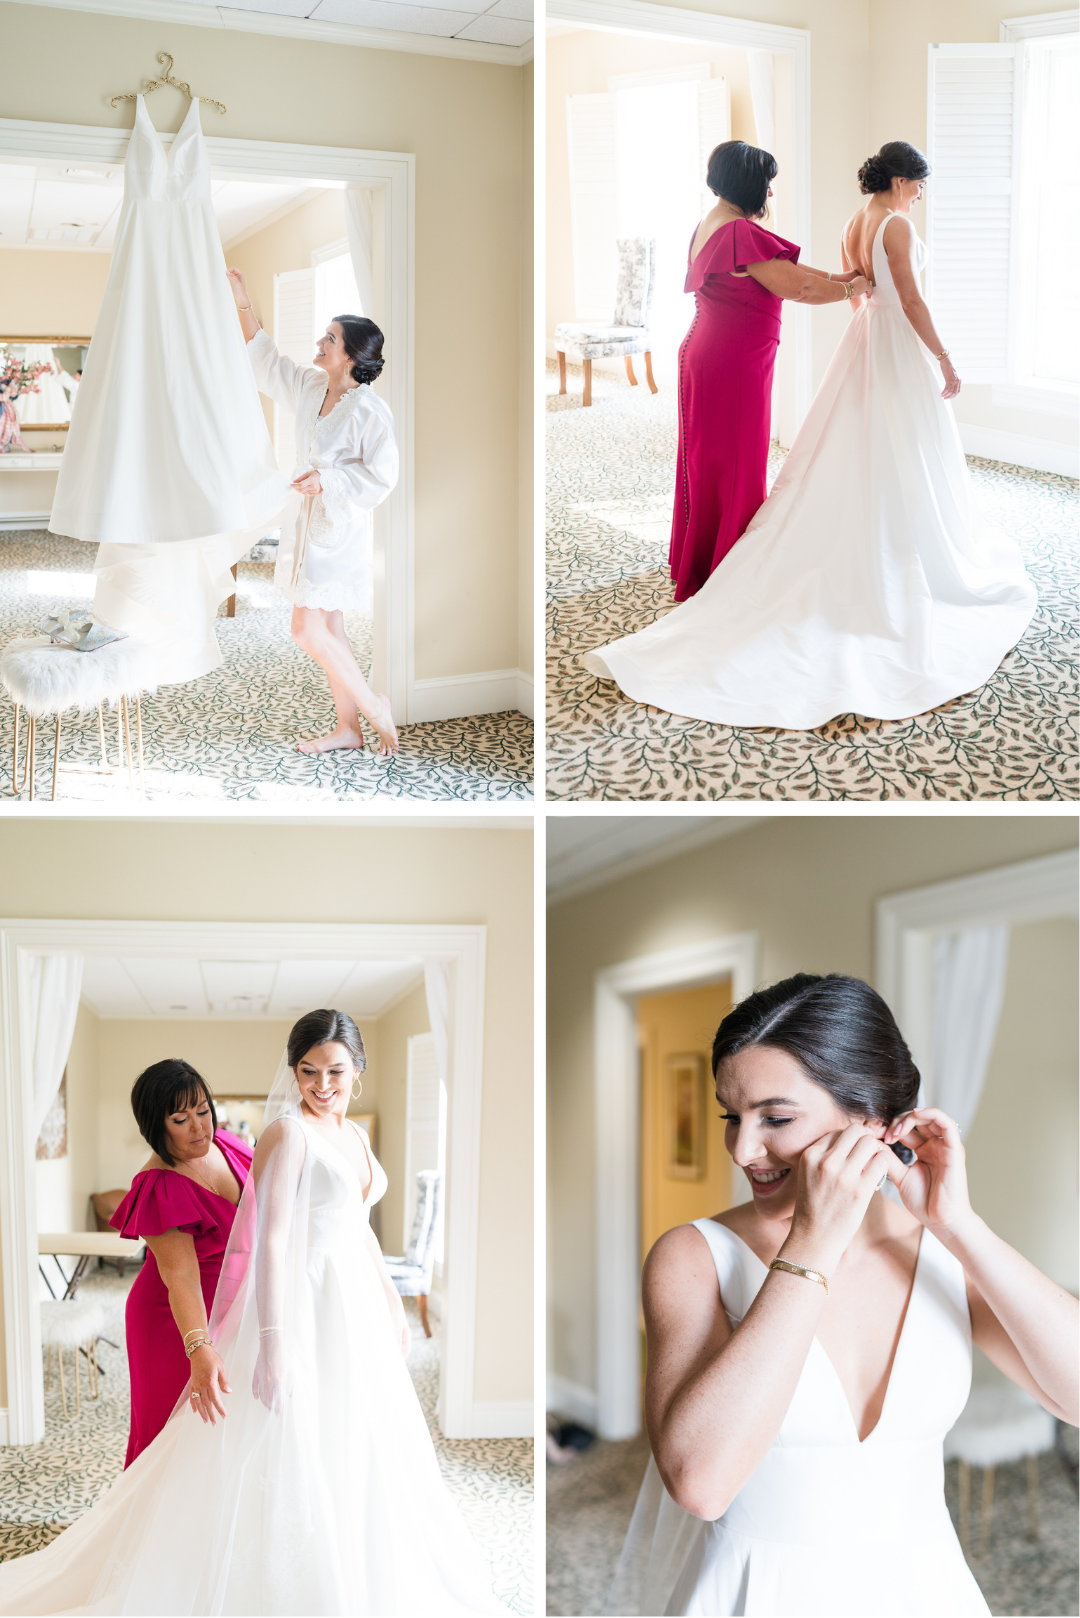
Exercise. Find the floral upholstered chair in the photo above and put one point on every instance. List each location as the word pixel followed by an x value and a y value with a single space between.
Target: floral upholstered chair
pixel 628 332
pixel 411 1273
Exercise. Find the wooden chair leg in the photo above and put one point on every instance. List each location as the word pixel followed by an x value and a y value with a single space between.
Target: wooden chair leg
pixel 33 755
pixel 648 372
pixel 101 734
pixel 63 1390
pixel 119 739
pixel 630 371
pixel 561 357
pixel 142 777
pixel 15 787
pixel 965 1506
pixel 127 738
pixel 987 1511
pixel 230 609
pixel 422 1301
pixel 1033 1496
pixel 56 759
pixel 48 1366
pixel 586 397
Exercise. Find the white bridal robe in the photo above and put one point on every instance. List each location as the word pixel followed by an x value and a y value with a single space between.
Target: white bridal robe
pixel 327 560
pixel 867 583
pixel 331 1503
pixel 826 1527
pixel 168 466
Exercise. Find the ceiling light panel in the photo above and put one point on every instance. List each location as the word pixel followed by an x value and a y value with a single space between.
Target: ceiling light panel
pixel 108 989
pixel 303 986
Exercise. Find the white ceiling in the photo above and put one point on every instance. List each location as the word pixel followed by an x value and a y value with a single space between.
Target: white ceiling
pixel 502 22
pixel 180 989
pixel 586 851
pixel 45 206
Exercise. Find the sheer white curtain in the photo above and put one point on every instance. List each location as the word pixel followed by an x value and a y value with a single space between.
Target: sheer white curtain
pixel 55 982
pixel 437 989
pixel 359 226
pixel 969 987
pixel 763 98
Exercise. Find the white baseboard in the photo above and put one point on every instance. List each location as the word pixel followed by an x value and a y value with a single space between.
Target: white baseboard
pixel 24 519
pixel 459 696
pixel 3 1428
pixel 566 1398
pixel 1017 449
pixel 502 1418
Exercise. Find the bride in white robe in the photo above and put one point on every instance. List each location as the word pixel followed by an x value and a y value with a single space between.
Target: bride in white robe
pixel 319 1492
pixel 867 583
pixel 346 465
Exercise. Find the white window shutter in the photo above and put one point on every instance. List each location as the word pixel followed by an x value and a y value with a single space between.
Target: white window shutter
pixel 593 203
pixel 714 126
pixel 970 204
pixel 294 330
pixel 423 1116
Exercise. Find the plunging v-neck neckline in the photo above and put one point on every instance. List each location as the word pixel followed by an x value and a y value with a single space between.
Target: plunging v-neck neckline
pixel 156 132
pixel 825 1354
pixel 367 1154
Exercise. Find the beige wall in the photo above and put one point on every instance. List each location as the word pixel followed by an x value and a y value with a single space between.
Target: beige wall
pixel 463 120
pixel 50 294
pixel 252 872
pixel 807 887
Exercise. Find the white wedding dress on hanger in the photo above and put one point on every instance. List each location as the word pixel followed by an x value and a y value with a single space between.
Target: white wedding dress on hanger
pixel 168 466
pixel 827 1526
pixel 331 1503
pixel 867 583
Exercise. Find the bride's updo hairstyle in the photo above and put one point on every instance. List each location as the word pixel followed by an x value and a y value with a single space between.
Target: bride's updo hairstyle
pixel 841 1033
pixel 168 1086
pixel 741 174
pixel 896 160
pixel 326 1028
pixel 364 345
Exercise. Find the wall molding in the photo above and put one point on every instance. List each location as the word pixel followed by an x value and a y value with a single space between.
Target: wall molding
pixel 501 1418
pixel 570 1399
pixel 1018 449
pixel 618 1160
pixel 321 33
pixel 23 519
pixel 457 696
pixel 462 947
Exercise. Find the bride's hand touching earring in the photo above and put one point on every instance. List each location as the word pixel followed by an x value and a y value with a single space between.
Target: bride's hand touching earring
pixel 934 1188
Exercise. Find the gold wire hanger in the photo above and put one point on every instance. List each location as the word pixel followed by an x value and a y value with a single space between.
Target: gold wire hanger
pixel 166 78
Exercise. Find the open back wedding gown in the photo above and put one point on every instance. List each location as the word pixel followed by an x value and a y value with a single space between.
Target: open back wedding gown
pixel 333 1503
pixel 867 583
pixel 827 1526
pixel 168 464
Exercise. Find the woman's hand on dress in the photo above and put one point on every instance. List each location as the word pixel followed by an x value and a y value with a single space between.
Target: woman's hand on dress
pixel 860 284
pixel 934 1188
pixel 239 286
pixel 208 1383
pixel 272 1383
pixel 952 381
pixel 835 1179
pixel 308 484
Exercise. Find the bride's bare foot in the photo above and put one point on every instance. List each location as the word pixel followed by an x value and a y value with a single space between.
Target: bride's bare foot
pixel 341 738
pixel 382 723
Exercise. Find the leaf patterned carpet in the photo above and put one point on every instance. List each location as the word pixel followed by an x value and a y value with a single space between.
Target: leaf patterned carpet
pixel 230 736
pixel 610 479
pixel 45 1486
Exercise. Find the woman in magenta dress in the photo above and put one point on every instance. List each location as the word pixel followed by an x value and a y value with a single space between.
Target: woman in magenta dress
pixel 739 275
pixel 182 1204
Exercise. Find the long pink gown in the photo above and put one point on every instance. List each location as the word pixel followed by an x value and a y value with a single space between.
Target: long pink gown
pixel 160 1200
pixel 725 396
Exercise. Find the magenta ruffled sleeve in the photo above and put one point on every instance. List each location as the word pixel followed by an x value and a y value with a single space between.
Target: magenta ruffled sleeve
pixel 733 247
pixel 160 1200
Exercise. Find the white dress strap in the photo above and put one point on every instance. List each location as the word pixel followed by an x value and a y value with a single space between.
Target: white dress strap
pixel 739 1271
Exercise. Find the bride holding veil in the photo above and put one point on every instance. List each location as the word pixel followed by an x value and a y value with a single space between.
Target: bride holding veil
pixel 319 1491
pixel 867 583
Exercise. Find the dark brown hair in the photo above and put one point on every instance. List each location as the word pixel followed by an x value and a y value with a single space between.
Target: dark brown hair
pixel 741 174
pixel 363 343
pixel 896 160
pixel 326 1028
pixel 168 1086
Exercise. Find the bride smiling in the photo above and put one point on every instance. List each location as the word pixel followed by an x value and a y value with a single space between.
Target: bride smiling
pixel 319 1490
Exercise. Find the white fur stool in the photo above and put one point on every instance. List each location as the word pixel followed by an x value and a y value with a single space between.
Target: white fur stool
pixel 998 1424
pixel 75 1324
pixel 47 679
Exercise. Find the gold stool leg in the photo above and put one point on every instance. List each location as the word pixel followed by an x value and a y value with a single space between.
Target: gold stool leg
pixel 138 731
pixel 1033 1496
pixel 965 1506
pixel 15 787
pixel 56 759
pixel 63 1390
pixel 127 741
pixel 987 1511
pixel 119 739
pixel 33 754
pixel 101 733
pixel 48 1366
pixel 78 1404
pixel 92 1362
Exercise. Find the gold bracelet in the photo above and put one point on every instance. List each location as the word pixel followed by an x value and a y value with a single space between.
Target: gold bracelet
pixel 203 1342
pixel 196 1331
pixel 243 307
pixel 797 1269
pixel 943 355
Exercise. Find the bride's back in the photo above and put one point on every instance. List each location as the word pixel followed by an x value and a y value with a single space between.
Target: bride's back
pixel 859 234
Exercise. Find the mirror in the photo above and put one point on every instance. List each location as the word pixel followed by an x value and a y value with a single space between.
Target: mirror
pixel 37 400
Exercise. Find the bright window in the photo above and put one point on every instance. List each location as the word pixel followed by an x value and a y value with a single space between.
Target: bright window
pixel 1046 351
pixel 335 289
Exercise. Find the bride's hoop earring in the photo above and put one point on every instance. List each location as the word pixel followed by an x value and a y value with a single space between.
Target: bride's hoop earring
pixel 356 1094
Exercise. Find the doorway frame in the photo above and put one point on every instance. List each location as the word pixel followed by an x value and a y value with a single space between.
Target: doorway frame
pixel 618 1151
pixel 907 925
pixel 392 177
pixel 462 947
pixel 699 27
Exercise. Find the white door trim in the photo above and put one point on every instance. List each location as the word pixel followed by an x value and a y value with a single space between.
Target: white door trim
pixel 393 176
pixel 463 947
pixel 907 924
pixel 618 1152
pixel 670 22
